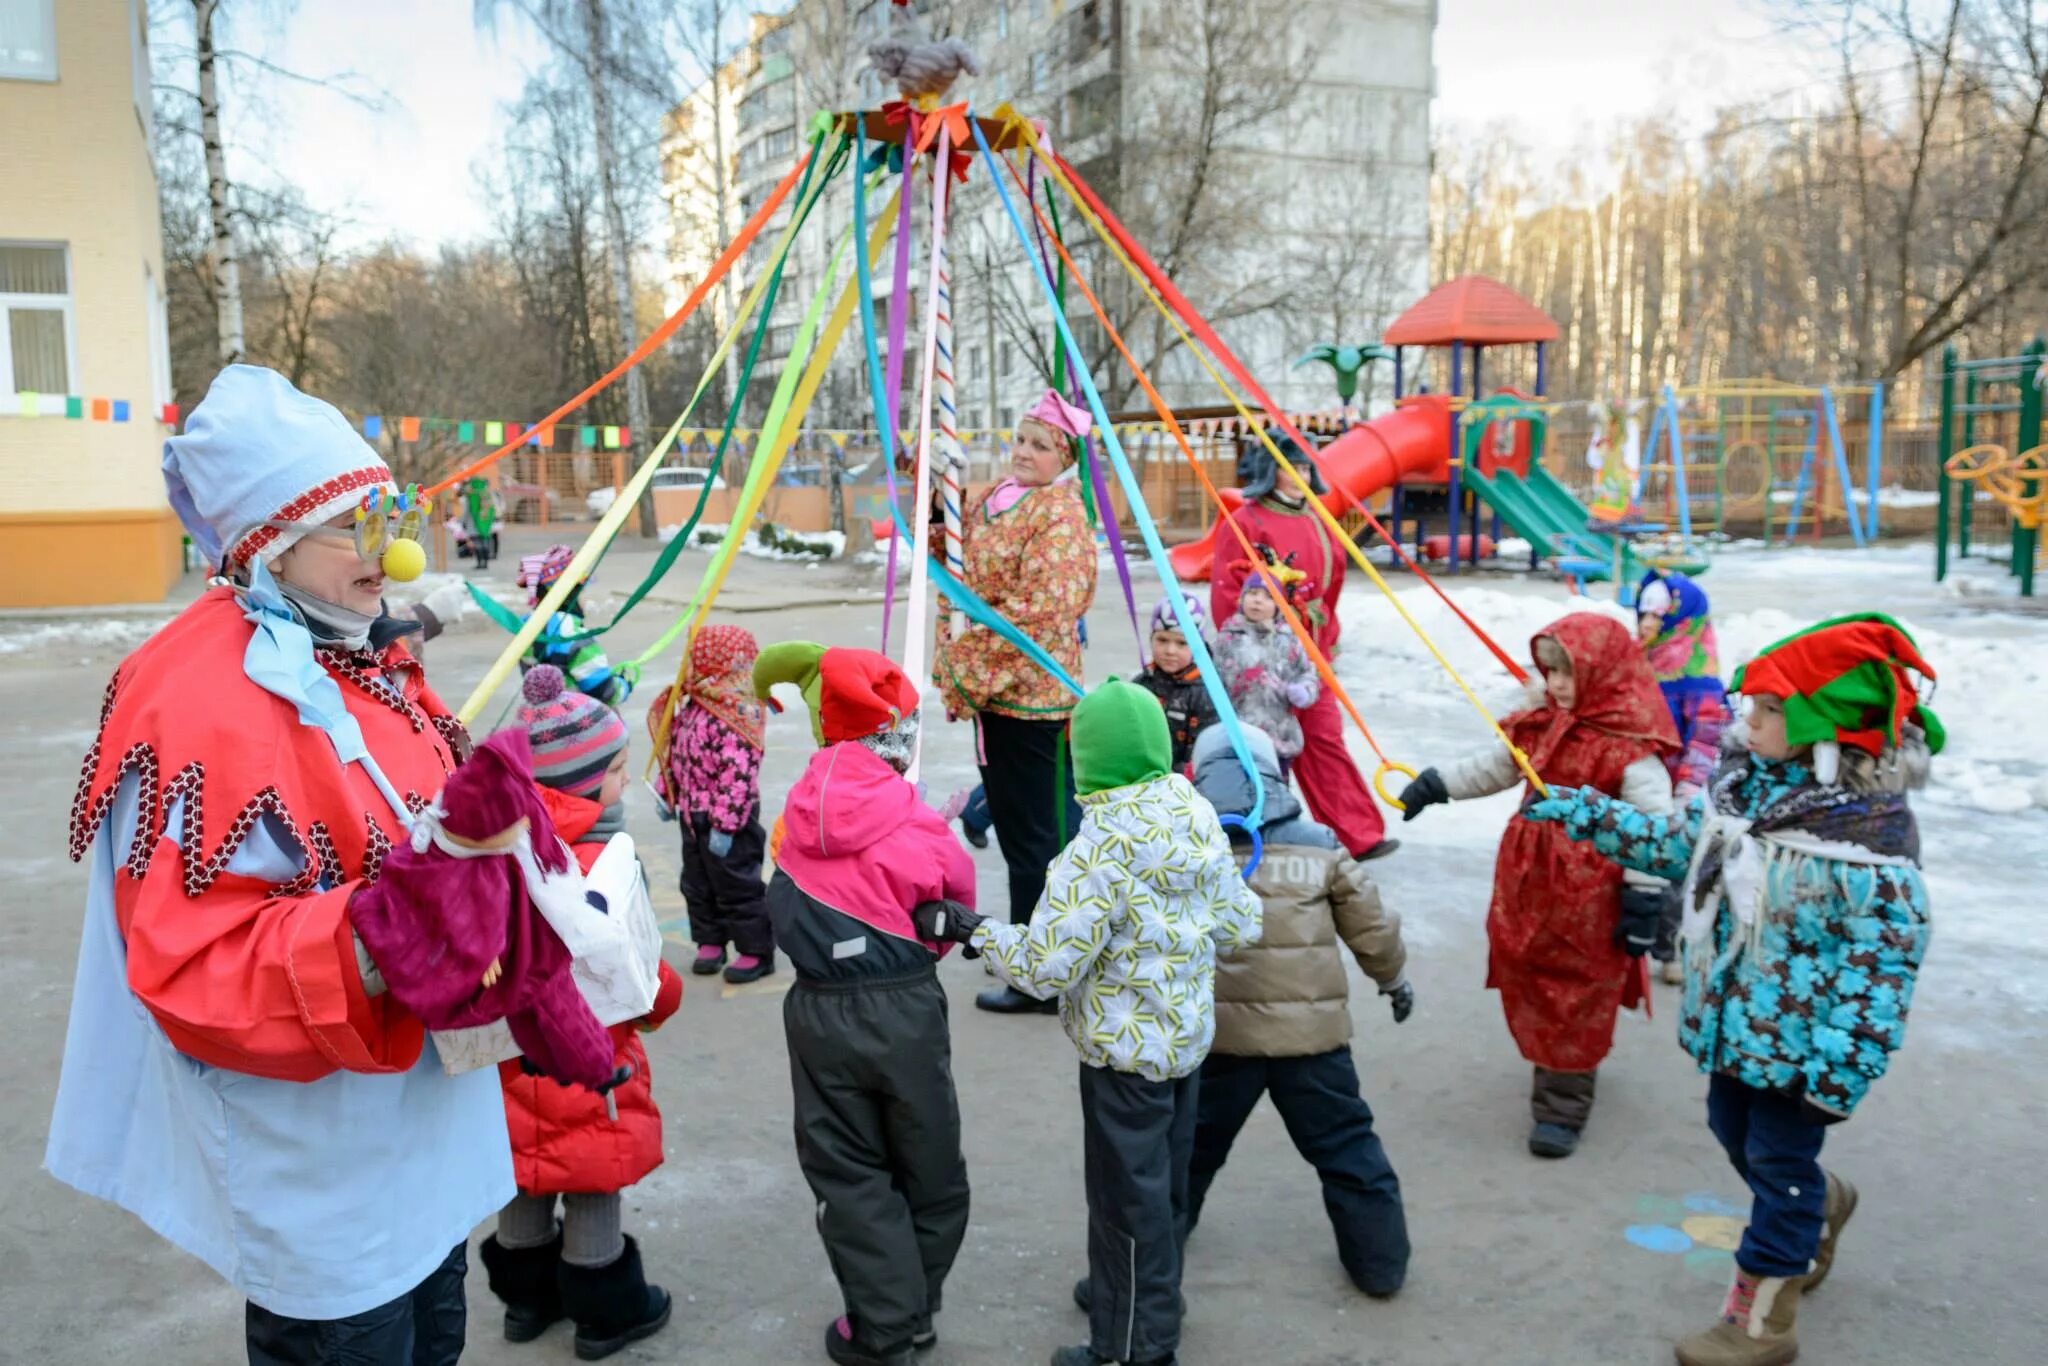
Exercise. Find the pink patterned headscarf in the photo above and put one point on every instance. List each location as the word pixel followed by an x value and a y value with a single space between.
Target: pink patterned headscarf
pixel 1060 415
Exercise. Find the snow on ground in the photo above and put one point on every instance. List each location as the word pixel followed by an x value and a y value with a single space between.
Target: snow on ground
pixel 90 635
pixel 1982 820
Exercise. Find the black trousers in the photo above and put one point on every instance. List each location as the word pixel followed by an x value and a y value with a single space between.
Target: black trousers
pixel 1564 1098
pixel 1138 1136
pixel 878 1138
pixel 726 898
pixel 1029 778
pixel 1331 1125
pixel 423 1327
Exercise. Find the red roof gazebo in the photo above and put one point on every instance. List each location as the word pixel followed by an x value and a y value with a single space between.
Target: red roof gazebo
pixel 1471 309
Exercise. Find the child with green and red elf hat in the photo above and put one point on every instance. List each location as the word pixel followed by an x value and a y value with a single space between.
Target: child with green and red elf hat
pixel 1805 922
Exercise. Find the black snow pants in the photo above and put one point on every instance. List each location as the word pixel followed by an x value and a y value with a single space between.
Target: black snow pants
pixel 1138 1136
pixel 878 1138
pixel 1331 1125
pixel 725 896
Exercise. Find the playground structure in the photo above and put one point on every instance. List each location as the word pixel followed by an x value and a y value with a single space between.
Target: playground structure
pixel 1991 441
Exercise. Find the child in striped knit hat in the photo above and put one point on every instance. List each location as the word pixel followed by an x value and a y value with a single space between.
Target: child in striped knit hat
pixel 568 1144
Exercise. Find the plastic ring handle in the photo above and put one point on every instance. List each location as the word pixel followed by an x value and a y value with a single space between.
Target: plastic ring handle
pixel 1379 781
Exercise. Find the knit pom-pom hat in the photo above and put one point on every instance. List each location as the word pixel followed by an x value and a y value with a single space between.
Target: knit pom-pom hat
pixel 574 737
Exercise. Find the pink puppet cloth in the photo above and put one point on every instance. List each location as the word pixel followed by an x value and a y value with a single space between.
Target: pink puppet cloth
pixel 441 914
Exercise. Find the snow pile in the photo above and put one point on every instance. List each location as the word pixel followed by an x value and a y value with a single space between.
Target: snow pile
pixel 768 541
pixel 1991 667
pixel 95 633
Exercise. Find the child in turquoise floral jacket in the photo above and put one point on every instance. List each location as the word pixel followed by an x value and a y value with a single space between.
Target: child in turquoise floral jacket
pixel 1805 923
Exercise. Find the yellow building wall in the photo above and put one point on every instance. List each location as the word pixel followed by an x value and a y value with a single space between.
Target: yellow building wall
pixel 83 517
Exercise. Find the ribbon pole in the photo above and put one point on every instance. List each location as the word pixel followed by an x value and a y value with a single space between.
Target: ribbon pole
pixel 952 460
pixel 914 647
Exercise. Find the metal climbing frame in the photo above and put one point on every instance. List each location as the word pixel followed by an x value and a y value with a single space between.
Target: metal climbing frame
pixel 1991 437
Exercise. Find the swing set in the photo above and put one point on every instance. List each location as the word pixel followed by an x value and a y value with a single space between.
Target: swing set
pixel 914 149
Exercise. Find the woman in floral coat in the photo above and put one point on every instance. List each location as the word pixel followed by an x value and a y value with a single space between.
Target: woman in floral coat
pixel 1029 554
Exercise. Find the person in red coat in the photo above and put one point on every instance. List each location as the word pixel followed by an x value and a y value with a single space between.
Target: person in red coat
pixel 1567 929
pixel 569 1143
pixel 1275 515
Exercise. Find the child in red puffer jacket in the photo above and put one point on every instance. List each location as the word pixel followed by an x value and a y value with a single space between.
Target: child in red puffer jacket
pixel 568 1143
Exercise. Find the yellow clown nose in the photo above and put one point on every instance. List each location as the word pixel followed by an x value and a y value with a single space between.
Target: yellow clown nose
pixel 404 561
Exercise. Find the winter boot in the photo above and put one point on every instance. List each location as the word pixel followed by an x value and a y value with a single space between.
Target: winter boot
pixel 1553 1140
pixel 749 968
pixel 1756 1327
pixel 524 1278
pixel 1087 1356
pixel 710 958
pixel 1673 972
pixel 613 1305
pixel 1841 1203
pixel 842 1347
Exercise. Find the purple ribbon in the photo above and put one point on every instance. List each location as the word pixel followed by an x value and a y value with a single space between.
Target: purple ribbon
pixel 899 290
pixel 1104 510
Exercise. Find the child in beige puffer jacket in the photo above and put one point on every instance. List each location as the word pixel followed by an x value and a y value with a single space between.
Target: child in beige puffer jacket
pixel 1283 1022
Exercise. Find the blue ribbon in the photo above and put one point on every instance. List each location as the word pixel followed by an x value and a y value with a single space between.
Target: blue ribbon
pixel 956 592
pixel 1226 714
pixel 279 660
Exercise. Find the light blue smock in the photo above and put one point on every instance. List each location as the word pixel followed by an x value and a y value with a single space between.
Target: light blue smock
pixel 316 1200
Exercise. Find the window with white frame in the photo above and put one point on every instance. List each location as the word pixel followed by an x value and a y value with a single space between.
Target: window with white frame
pixel 36 343
pixel 28 40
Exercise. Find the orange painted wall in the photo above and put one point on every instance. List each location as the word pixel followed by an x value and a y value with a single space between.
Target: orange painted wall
pixel 65 559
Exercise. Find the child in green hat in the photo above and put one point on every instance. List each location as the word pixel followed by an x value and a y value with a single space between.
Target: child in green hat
pixel 1126 936
pixel 1805 922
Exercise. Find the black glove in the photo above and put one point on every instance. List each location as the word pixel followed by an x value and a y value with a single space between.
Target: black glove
pixel 1427 790
pixel 947 921
pixel 1636 931
pixel 1401 997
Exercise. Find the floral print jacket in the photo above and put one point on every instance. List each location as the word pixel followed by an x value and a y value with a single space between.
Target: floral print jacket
pixel 1034 563
pixel 711 772
pixel 1806 993
pixel 1127 932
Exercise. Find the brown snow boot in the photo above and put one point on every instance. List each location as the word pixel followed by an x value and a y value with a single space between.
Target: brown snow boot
pixel 1841 1203
pixel 1756 1327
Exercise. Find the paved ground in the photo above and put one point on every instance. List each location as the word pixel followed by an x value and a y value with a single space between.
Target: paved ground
pixel 1517 1261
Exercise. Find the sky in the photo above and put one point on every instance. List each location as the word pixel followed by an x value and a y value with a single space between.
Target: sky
pixel 1556 71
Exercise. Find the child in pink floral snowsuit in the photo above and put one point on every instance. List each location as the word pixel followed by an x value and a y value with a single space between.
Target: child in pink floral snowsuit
pixel 711 779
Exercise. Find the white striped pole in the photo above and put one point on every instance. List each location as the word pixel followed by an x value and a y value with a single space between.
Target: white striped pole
pixel 952 459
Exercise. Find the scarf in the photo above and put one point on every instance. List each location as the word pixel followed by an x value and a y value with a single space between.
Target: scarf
pixel 609 822
pixel 1617 696
pixel 720 679
pixel 1799 820
pixel 330 623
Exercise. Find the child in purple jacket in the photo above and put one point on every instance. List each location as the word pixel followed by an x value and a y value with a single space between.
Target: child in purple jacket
pixel 1677 632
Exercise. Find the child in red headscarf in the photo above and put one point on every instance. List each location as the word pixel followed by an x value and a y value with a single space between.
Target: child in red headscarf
pixel 1567 929
pixel 710 781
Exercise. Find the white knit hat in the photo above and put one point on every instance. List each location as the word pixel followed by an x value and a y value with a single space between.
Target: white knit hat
pixel 256 450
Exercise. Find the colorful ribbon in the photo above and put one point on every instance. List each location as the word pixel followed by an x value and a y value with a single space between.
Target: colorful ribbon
pixel 1211 681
